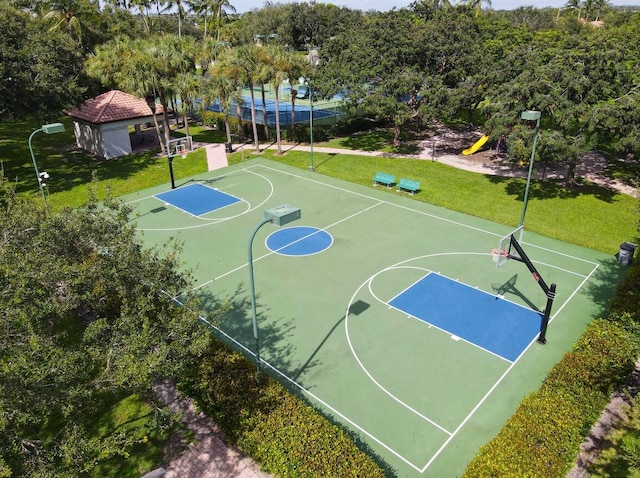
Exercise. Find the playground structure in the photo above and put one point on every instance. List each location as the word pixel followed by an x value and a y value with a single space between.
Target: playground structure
pixel 476 146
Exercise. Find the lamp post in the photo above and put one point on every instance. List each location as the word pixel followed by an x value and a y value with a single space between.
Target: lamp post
pixel 312 168
pixel 279 215
pixel 49 129
pixel 530 115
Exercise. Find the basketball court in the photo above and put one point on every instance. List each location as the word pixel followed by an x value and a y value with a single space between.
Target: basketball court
pixel 388 314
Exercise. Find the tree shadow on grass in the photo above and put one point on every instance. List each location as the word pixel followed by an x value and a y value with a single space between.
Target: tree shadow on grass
pixel 329 156
pixel 552 189
pixel 373 140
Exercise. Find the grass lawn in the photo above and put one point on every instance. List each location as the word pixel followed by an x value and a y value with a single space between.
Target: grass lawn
pixel 131 416
pixel 71 170
pixel 589 215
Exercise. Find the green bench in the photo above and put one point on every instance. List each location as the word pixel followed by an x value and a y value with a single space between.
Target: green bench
pixel 384 178
pixel 408 185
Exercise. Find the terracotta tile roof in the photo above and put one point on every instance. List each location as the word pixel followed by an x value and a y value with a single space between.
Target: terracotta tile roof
pixel 112 106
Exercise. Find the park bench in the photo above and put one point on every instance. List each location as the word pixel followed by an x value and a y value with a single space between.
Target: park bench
pixel 384 178
pixel 408 185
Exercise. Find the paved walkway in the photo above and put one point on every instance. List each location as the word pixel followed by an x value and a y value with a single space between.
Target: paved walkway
pixel 208 456
pixel 590 166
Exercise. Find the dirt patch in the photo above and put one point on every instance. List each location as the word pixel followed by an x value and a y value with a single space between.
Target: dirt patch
pixel 446 145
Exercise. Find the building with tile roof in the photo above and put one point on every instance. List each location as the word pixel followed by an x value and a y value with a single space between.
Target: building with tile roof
pixel 101 124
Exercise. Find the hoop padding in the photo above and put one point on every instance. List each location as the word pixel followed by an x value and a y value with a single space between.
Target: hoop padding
pixel 499 255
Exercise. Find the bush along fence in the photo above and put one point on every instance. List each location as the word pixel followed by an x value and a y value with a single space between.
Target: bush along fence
pixel 543 436
pixel 279 430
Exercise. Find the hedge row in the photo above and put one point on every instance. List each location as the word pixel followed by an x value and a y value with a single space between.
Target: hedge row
pixel 299 134
pixel 288 437
pixel 543 437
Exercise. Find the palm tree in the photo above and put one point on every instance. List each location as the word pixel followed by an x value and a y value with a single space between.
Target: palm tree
pixel 121 63
pixel 244 66
pixel 219 85
pixel 477 5
pixel 181 12
pixel 588 9
pixel 600 6
pixel 147 68
pixel 71 14
pixel 220 7
pixel 281 65
pixel 438 4
pixel 263 75
pixel 571 4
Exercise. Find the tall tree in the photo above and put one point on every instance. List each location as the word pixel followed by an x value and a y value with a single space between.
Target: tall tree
pixel 221 7
pixel 41 72
pixel 86 313
pixel 220 85
pixel 244 66
pixel 147 68
pixel 477 5
pixel 280 65
pixel 76 16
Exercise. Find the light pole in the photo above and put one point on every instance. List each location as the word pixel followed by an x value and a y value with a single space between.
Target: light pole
pixel 530 115
pixel 279 215
pixel 49 129
pixel 312 168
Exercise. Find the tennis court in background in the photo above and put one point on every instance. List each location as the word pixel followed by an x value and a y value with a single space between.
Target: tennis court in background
pixel 385 312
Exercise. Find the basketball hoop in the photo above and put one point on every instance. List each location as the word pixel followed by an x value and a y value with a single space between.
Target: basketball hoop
pixel 181 150
pixel 499 255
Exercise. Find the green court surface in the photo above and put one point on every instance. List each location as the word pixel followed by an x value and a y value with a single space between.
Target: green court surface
pixel 420 397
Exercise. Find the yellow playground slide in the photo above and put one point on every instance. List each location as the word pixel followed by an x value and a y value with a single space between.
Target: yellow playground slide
pixel 478 144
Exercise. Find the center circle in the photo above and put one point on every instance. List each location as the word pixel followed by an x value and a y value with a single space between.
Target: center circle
pixel 299 241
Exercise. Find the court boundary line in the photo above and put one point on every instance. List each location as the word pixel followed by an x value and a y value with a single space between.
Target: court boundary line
pixel 298 386
pixel 378 202
pixel 198 183
pixel 209 222
pixel 467 226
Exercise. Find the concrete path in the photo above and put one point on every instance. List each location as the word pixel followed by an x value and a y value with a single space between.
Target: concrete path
pixel 590 166
pixel 216 156
pixel 208 456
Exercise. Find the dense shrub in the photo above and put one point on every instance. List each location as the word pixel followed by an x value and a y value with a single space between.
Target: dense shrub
pixel 278 429
pixel 216 120
pixel 544 435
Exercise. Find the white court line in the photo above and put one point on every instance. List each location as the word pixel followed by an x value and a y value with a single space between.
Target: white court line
pixel 300 387
pixel 451 434
pixel 244 264
pixel 208 222
pixel 417 211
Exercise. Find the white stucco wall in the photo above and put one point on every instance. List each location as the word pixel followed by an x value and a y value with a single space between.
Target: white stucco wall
pixel 88 137
pixel 107 140
pixel 115 139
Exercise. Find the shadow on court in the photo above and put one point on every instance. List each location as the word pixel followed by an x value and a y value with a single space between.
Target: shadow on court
pixel 510 287
pixel 356 308
pixel 233 316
